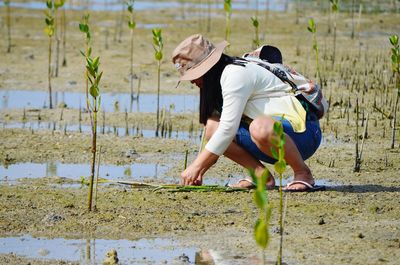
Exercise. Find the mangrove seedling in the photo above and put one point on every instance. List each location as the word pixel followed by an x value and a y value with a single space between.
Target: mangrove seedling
pixel 312 27
pixel 131 25
pixel 49 30
pixel 334 10
pixel 92 76
pixel 8 19
pixel 260 198
pixel 256 40
pixel 57 4
pixel 278 152
pixel 228 14
pixel 158 45
pixel 64 36
pixel 395 58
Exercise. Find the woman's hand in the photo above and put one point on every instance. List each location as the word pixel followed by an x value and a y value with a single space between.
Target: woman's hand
pixel 192 176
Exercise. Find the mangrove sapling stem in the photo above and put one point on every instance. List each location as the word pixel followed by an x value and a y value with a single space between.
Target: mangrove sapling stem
pixel 158 45
pixel 186 159
pixel 97 179
pixel 335 9
pixel 64 36
pixel 357 157
pixel 365 135
pixel 395 58
pixel 8 19
pixel 50 30
pixel 131 25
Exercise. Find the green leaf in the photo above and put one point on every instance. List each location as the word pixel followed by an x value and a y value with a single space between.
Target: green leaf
pixel 96 62
pixel 83 28
pixel 89 51
pixel 280 166
pixel 49 31
pixel 49 4
pixel 132 24
pixel 130 8
pixel 278 128
pixel 158 55
pixel 274 153
pixel 94 91
pixel 260 199
pixel 98 78
pixel 394 40
pixel 91 71
pixel 261 233
pixel 58 4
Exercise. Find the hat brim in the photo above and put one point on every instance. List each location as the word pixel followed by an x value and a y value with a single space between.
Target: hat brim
pixel 203 67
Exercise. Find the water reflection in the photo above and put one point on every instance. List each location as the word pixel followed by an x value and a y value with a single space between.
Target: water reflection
pixel 93 251
pixel 134 131
pixel 137 171
pixel 110 102
pixel 115 5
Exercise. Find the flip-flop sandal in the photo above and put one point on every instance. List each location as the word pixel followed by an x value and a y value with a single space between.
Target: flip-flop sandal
pixel 308 187
pixel 252 186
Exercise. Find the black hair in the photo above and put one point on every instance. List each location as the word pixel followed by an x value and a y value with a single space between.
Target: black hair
pixel 211 93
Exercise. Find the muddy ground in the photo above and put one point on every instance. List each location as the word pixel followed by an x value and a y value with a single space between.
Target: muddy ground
pixel 355 221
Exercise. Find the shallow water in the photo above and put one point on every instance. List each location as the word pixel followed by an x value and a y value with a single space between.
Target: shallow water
pixel 120 131
pixel 113 5
pixel 93 251
pixel 110 102
pixel 136 171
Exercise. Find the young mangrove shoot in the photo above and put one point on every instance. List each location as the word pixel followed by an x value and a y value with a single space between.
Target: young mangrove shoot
pixel 8 21
pixel 256 40
pixel 395 58
pixel 228 14
pixel 261 228
pixel 131 25
pixel 49 30
pixel 57 4
pixel 312 27
pixel 334 10
pixel 158 48
pixel 278 152
pixel 92 76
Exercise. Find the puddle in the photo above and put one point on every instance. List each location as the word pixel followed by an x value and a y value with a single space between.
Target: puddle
pixel 119 131
pixel 93 251
pixel 110 102
pixel 114 5
pixel 133 172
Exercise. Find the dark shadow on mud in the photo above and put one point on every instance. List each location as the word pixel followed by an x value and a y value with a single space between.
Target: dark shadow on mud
pixel 364 188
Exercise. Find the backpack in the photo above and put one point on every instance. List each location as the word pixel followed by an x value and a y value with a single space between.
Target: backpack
pixel 305 90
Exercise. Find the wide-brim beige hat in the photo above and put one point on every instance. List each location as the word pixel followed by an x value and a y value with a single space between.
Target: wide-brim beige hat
pixel 194 56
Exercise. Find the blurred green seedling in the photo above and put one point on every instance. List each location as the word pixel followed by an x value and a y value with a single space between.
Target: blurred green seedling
pixel 228 15
pixel 256 40
pixel 395 59
pixel 158 46
pixel 132 26
pixel 260 198
pixel 278 153
pixel 49 30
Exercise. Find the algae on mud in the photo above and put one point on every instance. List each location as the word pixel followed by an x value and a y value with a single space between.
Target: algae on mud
pixel 352 223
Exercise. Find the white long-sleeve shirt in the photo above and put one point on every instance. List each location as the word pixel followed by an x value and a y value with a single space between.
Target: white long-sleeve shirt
pixel 250 91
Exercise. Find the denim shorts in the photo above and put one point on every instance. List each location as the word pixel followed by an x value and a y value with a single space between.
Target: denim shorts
pixel 307 142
